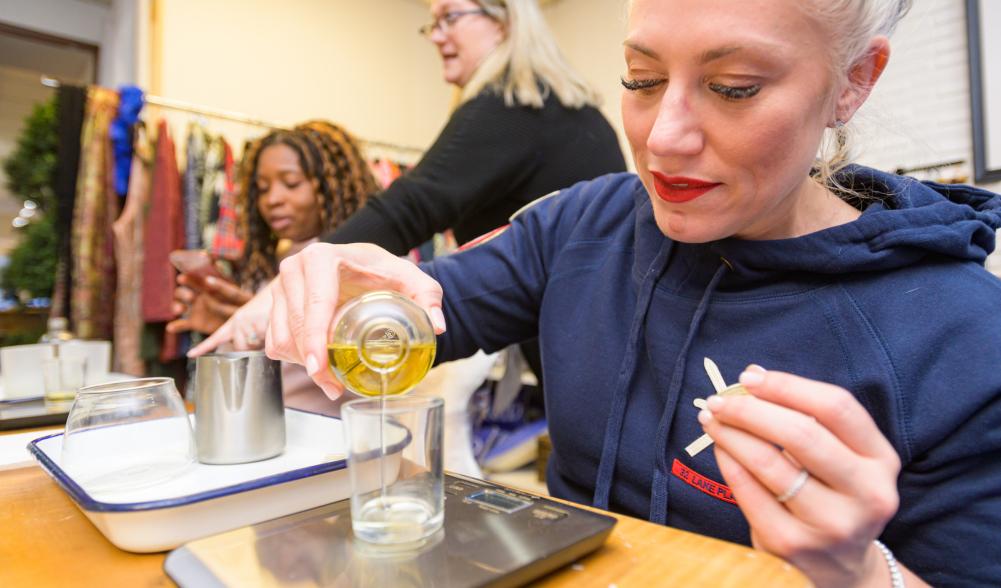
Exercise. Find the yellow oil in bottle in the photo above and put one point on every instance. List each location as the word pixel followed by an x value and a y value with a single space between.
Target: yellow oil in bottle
pixel 399 369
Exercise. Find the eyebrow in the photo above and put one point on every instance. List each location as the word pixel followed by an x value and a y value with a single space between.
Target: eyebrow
pixel 642 49
pixel 447 7
pixel 707 56
pixel 718 53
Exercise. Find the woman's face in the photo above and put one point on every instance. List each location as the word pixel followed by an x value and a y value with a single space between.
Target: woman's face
pixel 724 107
pixel 287 199
pixel 464 42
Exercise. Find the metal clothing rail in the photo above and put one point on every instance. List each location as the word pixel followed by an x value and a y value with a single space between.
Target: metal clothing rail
pixel 907 170
pixel 239 117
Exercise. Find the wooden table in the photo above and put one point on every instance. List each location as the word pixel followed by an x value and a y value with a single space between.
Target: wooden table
pixel 46 541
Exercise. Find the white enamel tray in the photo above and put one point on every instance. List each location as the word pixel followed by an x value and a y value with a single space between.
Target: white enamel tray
pixel 210 499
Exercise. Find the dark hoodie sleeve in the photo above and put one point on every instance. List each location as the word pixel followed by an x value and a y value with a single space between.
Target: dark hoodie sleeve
pixel 948 402
pixel 484 147
pixel 948 528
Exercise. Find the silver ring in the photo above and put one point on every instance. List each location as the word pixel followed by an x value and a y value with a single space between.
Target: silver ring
pixel 795 487
pixel 252 337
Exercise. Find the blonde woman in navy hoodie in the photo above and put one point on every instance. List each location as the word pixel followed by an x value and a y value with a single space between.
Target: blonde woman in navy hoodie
pixel 851 304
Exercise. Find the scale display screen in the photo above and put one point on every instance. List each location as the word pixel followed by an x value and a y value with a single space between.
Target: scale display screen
pixel 498 500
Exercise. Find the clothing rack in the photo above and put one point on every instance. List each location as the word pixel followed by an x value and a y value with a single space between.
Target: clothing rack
pixel 907 170
pixel 239 117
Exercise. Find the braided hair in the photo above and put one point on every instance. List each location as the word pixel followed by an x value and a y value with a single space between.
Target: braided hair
pixel 331 159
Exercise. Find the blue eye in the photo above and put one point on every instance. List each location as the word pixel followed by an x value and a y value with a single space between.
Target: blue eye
pixel 735 92
pixel 634 85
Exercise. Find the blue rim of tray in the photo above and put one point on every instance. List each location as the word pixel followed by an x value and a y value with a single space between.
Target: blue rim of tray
pixel 88 503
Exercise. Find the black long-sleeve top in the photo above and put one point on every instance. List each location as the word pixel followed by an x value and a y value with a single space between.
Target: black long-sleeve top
pixel 489 161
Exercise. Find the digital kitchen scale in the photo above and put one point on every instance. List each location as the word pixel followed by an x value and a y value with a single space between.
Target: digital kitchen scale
pixel 493 536
pixel 31 412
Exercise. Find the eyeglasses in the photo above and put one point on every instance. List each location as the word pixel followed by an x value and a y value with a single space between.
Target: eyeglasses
pixel 445 21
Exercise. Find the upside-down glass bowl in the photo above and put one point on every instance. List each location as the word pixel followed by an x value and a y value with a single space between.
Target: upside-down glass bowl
pixel 127 435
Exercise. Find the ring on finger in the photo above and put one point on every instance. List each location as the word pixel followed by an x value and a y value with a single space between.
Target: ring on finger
pixel 795 487
pixel 252 338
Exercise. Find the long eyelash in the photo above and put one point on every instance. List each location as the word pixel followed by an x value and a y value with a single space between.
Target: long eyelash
pixel 735 93
pixel 634 85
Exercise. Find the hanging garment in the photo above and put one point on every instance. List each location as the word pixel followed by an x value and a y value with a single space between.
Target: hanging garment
pixel 163 232
pixel 71 101
pixel 96 207
pixel 194 175
pixel 129 105
pixel 227 242
pixel 128 231
pixel 218 164
pixel 385 171
pixel 159 238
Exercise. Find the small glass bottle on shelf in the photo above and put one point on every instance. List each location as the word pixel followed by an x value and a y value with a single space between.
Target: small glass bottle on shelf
pixel 57 331
pixel 62 375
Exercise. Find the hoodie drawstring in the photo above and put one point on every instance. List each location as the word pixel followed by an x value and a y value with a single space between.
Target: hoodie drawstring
pixel 661 475
pixel 617 411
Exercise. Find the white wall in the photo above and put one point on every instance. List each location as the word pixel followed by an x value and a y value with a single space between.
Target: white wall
pixel 363 65
pixel 359 64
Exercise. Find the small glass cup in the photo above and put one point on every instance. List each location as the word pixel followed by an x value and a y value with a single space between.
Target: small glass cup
pixel 63 376
pixel 395 466
pixel 127 435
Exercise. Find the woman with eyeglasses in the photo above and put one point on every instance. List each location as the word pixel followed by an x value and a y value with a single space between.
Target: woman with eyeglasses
pixel 527 124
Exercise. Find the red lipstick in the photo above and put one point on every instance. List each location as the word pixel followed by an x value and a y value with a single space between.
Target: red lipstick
pixel 677 189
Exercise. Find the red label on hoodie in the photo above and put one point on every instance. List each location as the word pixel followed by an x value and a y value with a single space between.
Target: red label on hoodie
pixel 697 480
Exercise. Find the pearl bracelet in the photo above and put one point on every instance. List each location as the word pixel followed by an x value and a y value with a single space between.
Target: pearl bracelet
pixel 896 576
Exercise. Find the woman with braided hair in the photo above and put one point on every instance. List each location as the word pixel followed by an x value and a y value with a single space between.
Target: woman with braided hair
pixel 299 184
pixel 295 185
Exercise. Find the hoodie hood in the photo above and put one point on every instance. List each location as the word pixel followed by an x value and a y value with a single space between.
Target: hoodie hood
pixel 909 221
pixel 905 222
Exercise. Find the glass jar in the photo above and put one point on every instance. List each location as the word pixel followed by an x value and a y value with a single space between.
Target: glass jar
pixel 381 343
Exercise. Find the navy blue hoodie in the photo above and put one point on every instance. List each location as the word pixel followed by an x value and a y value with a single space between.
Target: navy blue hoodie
pixel 896 307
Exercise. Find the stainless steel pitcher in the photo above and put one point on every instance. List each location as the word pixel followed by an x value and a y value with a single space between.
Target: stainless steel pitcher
pixel 239 412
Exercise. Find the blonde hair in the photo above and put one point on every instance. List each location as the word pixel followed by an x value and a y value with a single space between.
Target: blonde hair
pixel 853 25
pixel 527 65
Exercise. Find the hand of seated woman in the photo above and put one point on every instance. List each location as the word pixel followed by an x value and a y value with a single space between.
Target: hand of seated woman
pixel 245 327
pixel 207 309
pixel 812 473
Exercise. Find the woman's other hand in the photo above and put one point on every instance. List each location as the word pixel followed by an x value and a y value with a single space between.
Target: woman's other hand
pixel 245 327
pixel 811 471
pixel 312 284
pixel 205 310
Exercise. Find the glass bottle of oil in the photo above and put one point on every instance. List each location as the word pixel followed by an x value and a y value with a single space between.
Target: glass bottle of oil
pixel 381 343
